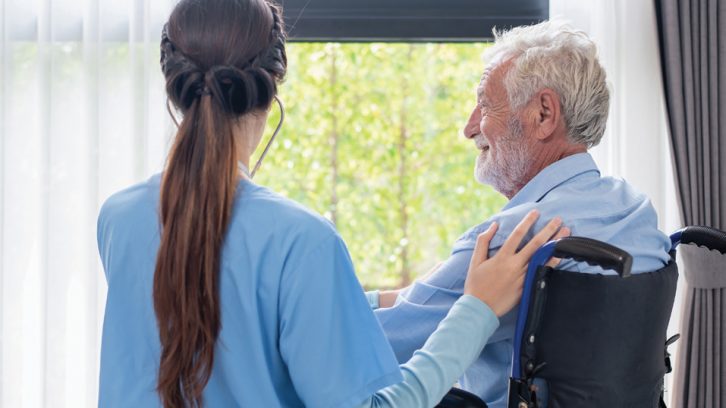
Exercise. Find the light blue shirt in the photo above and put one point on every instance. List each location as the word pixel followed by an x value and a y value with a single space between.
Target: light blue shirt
pixel 603 208
pixel 296 327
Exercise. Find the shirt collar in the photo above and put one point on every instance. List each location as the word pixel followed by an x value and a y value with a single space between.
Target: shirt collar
pixel 552 176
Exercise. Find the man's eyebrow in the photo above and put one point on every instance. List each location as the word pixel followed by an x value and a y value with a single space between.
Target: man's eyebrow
pixel 485 73
pixel 481 99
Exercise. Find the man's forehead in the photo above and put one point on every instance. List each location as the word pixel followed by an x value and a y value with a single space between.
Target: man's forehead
pixel 493 69
pixel 482 82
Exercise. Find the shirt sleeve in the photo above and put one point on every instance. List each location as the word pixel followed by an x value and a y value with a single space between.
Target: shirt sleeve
pixel 332 344
pixel 420 308
pixel 431 372
pixel 374 297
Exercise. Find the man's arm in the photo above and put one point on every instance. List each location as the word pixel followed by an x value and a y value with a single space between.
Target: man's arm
pixel 387 298
pixel 421 307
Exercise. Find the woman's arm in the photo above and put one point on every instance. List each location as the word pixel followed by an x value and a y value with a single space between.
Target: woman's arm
pixel 493 286
pixel 431 372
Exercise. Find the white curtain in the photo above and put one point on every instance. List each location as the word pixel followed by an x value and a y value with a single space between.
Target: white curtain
pixel 81 116
pixel 636 145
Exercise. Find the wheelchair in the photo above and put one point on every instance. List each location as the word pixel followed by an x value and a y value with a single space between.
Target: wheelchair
pixel 595 340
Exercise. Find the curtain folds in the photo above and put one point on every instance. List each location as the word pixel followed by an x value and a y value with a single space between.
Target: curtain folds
pixel 693 55
pixel 701 366
pixel 81 116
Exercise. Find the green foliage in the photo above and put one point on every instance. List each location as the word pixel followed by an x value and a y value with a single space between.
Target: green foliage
pixel 372 140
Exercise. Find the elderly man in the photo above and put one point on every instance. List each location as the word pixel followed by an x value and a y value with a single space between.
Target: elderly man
pixel 541 103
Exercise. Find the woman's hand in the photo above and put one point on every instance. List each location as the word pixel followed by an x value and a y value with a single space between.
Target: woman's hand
pixel 498 281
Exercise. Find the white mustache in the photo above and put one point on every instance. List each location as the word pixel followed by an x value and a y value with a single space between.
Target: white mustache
pixel 480 141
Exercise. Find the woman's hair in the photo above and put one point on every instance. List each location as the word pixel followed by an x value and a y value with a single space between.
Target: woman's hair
pixel 222 59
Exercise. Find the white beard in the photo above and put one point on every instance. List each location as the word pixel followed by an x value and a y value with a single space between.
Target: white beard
pixel 505 170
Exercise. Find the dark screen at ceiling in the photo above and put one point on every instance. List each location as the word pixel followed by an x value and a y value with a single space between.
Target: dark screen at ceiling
pixel 406 20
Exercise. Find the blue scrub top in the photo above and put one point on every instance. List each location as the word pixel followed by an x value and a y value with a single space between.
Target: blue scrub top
pixel 296 327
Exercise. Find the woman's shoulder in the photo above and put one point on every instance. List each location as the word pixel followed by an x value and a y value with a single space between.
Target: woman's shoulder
pixel 274 212
pixel 139 196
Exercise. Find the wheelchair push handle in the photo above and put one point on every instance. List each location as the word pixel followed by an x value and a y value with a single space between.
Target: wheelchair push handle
pixel 595 253
pixel 708 237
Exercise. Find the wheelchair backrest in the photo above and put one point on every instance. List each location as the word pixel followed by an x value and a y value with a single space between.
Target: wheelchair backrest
pixel 599 340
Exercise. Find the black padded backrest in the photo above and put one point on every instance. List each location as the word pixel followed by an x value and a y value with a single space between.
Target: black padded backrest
pixel 602 338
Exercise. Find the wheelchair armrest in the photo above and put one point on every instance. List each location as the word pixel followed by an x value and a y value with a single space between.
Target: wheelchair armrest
pixel 458 398
pixel 708 237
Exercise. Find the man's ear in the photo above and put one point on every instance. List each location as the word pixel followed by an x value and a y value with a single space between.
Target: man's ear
pixel 547 112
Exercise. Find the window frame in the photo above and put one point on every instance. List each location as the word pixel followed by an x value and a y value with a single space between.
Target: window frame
pixel 406 20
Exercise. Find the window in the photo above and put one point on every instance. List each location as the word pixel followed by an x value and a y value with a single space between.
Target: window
pixel 373 141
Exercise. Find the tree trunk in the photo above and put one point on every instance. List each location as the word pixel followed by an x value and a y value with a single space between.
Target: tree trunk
pixel 402 209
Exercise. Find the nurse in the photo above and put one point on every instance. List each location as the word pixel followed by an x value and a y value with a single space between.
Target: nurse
pixel 222 293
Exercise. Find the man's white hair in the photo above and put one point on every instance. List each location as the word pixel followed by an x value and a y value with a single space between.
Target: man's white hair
pixel 554 55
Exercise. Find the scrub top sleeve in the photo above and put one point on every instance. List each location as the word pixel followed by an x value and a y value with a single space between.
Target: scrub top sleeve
pixel 102 238
pixel 431 372
pixel 331 342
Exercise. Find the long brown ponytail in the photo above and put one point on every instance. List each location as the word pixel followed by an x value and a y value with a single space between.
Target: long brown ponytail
pixel 222 59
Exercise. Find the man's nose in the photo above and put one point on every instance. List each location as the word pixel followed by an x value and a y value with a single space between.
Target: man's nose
pixel 472 126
